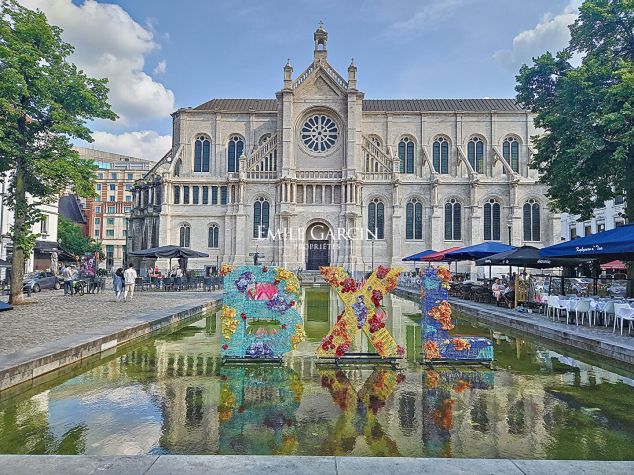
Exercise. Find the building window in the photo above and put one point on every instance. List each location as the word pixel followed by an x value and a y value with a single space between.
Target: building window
pixel 414 220
pixel 97 209
pixel 619 223
pixel 111 198
pixel 587 230
pixel 110 221
pixel 205 195
pixel 263 139
pixel 573 233
pixel 126 209
pixel 184 236
pixel 44 226
pixel 260 218
pixel 112 187
pixel 511 153
pixel 492 220
pixel 202 150
pixel 98 186
pixel 96 233
pixel 319 133
pixel 130 176
pixel 406 154
pixel 100 176
pixel 128 198
pixel 128 187
pixel 177 195
pixel 186 195
pixel 223 195
pixel 475 154
pixel 441 155
pixel 113 176
pixel 600 227
pixel 619 200
pixel 195 194
pixel 214 195
pixel 110 233
pixel 236 145
pixel 97 198
pixel 112 210
pixel 376 219
pixel 453 221
pixel 97 221
pixel 212 236
pixel 109 256
pixel 532 221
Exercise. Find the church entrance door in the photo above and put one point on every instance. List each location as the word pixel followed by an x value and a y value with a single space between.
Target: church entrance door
pixel 318 254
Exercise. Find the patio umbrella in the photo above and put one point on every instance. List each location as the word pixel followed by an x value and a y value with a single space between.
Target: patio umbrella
pixel 439 256
pixel 172 252
pixel 478 251
pixel 613 265
pixel 617 243
pixel 528 256
pixel 418 256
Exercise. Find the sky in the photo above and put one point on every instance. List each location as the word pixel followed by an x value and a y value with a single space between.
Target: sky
pixel 160 55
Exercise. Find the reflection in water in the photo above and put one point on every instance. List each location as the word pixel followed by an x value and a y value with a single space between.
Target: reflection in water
pixel 172 395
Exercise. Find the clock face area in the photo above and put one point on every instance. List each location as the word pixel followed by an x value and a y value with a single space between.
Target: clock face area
pixel 319 133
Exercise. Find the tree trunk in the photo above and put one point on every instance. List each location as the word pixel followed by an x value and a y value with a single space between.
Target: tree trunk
pixel 17 264
pixel 629 214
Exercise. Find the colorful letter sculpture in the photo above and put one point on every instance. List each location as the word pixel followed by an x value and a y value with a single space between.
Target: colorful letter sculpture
pixel 437 344
pixel 259 316
pixel 362 311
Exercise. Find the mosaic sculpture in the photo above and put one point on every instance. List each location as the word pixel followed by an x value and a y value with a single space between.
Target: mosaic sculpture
pixel 259 314
pixel 362 311
pixel 436 321
pixel 359 412
pixel 257 397
pixel 441 387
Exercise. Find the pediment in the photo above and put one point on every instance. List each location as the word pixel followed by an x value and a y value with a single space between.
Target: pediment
pixel 320 81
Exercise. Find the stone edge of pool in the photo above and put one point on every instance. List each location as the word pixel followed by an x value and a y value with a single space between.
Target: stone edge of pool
pixel 28 365
pixel 248 464
pixel 566 335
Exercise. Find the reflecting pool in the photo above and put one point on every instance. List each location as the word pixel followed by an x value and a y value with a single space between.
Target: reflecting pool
pixel 172 395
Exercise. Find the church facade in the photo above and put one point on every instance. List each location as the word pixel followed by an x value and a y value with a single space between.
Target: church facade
pixel 319 175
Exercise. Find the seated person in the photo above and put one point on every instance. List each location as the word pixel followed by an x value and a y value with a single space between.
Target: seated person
pixel 509 294
pixel 497 288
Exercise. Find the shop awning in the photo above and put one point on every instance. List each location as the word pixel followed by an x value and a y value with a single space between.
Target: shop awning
pixel 478 251
pixel 439 256
pixel 617 243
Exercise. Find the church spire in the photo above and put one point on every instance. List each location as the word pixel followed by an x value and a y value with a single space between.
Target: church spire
pixel 321 39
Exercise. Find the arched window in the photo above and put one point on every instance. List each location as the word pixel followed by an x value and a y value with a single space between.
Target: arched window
pixel 491 220
pixel 406 154
pixel 185 235
pixel 376 140
pixel 202 151
pixel 264 138
pixel 453 221
pixel 441 155
pixel 376 219
pixel 532 221
pixel 511 153
pixel 213 233
pixel 414 219
pixel 260 218
pixel 236 146
pixel 475 154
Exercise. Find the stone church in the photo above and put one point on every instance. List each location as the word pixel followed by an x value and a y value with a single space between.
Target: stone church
pixel 320 175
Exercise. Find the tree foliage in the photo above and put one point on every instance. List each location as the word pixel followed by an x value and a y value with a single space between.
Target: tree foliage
pixel 586 151
pixel 72 239
pixel 45 101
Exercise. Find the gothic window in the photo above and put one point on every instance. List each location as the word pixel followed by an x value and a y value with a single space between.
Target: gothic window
pixel 212 235
pixel 260 218
pixel 511 153
pixel 376 140
pixel 195 194
pixel 202 151
pixel 264 138
pixel 475 154
pixel 319 133
pixel 453 221
pixel 235 148
pixel 406 154
pixel 184 235
pixel 532 221
pixel 441 155
pixel 376 219
pixel 491 220
pixel 177 195
pixel 414 220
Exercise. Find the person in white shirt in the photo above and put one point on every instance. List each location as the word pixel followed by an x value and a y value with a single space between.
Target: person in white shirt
pixel 129 276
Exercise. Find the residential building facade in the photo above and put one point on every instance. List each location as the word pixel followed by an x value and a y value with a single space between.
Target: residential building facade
pixel 320 175
pixel 611 216
pixel 107 214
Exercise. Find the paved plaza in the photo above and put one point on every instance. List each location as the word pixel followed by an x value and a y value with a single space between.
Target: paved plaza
pixel 50 316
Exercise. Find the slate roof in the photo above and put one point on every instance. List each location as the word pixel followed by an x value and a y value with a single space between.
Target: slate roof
pixel 69 208
pixel 375 105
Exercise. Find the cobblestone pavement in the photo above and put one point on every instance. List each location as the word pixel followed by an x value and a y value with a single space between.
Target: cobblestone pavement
pixel 49 315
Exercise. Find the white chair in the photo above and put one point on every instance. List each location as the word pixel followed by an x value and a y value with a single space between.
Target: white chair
pixel 607 311
pixel 582 307
pixel 623 311
pixel 556 305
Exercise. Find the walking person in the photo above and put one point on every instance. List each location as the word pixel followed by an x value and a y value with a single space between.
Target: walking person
pixel 67 275
pixel 129 276
pixel 117 282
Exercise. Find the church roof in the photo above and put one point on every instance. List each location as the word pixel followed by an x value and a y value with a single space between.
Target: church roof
pixel 375 105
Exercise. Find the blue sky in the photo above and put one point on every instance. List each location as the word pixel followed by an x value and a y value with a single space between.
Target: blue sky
pixel 162 54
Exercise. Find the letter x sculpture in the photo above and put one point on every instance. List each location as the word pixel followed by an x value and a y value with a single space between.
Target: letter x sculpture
pixel 362 311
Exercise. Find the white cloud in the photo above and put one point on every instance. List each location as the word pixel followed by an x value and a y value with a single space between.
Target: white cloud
pixel 146 144
pixel 428 16
pixel 160 68
pixel 109 43
pixel 550 34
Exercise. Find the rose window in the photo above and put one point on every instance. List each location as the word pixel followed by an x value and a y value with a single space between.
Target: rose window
pixel 319 133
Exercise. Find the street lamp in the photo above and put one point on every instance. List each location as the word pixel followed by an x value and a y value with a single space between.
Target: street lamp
pixel 509 226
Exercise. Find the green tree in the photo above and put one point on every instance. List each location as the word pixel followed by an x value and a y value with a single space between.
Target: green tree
pixel 72 239
pixel 586 153
pixel 45 102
